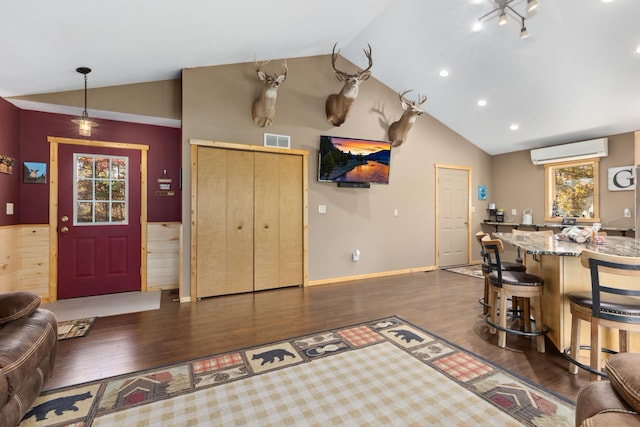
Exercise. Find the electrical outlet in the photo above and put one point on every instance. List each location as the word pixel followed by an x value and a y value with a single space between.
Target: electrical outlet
pixel 355 255
pixel 627 213
pixel 514 212
pixel 322 209
pixel 9 208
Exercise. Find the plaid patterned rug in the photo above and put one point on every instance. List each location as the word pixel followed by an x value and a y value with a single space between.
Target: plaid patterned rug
pixel 74 328
pixel 467 270
pixel 383 372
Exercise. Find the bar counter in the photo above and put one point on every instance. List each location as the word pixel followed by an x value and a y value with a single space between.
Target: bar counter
pixel 536 244
pixel 557 261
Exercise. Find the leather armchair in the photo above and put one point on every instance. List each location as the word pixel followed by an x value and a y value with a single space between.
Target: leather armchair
pixel 28 344
pixel 615 402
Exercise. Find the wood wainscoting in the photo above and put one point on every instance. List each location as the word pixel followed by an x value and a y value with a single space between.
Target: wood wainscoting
pixel 163 255
pixel 24 257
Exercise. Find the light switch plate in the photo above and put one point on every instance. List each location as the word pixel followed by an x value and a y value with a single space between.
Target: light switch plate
pixel 9 208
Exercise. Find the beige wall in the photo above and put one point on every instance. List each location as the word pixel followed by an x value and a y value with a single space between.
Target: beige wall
pixel 519 184
pixel 154 99
pixel 217 106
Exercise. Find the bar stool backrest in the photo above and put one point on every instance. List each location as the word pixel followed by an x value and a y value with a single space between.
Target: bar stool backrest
pixel 598 264
pixel 492 248
pixel 479 236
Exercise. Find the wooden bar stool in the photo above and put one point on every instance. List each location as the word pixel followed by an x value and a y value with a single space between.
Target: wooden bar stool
pixel 513 284
pixel 609 304
pixel 486 269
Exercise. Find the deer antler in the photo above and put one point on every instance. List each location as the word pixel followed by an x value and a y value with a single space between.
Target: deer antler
pixel 334 55
pixel 368 55
pixel 260 64
pixel 343 75
pixel 421 98
pixel 402 98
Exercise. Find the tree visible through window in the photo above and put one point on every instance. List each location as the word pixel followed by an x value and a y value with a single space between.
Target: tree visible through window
pixel 100 189
pixel 572 190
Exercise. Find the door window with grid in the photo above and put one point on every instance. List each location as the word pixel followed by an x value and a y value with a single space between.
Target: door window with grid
pixel 101 190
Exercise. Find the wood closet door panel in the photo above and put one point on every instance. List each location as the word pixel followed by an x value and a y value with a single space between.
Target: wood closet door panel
pixel 291 221
pixel 211 222
pixel 239 222
pixel 267 221
pixel 224 222
pixel 278 221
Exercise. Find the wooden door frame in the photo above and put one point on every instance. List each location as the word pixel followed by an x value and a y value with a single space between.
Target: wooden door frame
pixel 54 143
pixel 439 166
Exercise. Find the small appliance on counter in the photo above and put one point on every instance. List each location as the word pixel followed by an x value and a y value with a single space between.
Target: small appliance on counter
pixel 527 216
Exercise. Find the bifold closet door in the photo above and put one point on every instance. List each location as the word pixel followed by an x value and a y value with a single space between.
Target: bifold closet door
pixel 224 222
pixel 278 246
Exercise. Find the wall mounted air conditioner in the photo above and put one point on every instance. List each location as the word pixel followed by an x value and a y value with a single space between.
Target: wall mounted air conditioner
pixel 574 151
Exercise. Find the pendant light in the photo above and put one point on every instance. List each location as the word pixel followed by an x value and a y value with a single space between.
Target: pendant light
pixel 84 123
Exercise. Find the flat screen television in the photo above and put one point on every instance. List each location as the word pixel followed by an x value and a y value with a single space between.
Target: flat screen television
pixel 352 160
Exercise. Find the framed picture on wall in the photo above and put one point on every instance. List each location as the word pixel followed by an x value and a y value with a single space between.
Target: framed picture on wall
pixel 35 173
pixel 482 192
pixel 6 164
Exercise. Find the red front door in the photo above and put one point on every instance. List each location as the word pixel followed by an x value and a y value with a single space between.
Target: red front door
pixel 98 221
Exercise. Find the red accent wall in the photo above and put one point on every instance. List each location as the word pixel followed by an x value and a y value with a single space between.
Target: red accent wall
pixel 164 153
pixel 10 146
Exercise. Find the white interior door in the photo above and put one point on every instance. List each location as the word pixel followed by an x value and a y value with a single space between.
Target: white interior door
pixel 453 216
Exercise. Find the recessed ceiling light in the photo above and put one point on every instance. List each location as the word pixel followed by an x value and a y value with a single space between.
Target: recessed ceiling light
pixel 514 126
pixel 476 27
pixel 444 73
pixel 638 49
pixel 607 1
pixel 482 102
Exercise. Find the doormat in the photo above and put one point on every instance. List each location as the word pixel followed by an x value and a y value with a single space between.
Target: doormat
pixel 74 328
pixel 468 270
pixel 381 372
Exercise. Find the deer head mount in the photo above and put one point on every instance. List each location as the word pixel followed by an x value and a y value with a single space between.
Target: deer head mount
pixel 338 105
pixel 263 109
pixel 399 130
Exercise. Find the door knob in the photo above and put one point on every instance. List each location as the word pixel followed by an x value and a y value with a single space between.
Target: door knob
pixel 64 230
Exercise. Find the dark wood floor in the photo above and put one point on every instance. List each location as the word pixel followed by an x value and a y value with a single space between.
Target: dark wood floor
pixel 441 302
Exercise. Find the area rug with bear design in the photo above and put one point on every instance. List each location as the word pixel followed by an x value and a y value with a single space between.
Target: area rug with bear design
pixel 382 372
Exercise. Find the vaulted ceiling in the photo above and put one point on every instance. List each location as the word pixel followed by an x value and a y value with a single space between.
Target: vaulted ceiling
pixel 577 76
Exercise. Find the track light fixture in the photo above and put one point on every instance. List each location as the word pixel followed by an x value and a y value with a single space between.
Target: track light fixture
pixel 523 31
pixel 501 7
pixel 84 122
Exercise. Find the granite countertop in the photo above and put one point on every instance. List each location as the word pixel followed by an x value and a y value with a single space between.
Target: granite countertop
pixel 537 244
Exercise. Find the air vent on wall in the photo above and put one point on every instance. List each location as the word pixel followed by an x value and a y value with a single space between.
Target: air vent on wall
pixel 277 141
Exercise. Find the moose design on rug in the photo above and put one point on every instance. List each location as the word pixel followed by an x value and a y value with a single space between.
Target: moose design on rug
pixel 59 406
